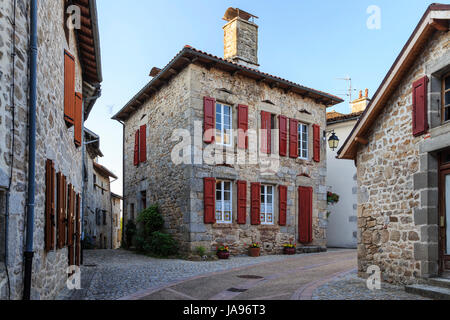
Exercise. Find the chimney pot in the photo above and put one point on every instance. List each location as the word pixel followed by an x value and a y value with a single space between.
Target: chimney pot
pixel 367 93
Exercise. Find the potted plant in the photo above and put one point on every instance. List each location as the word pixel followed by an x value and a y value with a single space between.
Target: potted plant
pixel 223 252
pixel 290 249
pixel 255 250
pixel 332 198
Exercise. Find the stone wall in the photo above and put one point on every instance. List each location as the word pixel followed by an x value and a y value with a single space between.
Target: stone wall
pixel 394 200
pixel 53 140
pixel 241 42
pixel 116 212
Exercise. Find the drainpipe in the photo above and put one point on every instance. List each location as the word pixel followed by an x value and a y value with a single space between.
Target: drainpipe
pixel 31 152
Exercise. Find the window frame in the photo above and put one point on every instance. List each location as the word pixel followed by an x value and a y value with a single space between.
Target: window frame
pixel 443 92
pixel 222 190
pixel 264 191
pixel 300 140
pixel 222 130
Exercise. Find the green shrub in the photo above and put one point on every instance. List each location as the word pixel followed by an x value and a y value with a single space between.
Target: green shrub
pixel 151 220
pixel 163 244
pixel 201 251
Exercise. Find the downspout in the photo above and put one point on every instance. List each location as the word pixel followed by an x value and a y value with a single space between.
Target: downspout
pixel 123 182
pixel 29 254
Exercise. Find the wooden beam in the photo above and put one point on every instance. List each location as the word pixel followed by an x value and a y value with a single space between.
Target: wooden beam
pixel 362 141
pixel 439 24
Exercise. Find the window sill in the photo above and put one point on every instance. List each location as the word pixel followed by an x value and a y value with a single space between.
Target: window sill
pixel 268 227
pixel 223 226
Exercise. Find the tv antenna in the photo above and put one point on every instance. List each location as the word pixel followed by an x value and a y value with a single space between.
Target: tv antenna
pixel 349 93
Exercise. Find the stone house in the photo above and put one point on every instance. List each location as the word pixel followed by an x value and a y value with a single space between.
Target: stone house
pixel 401 148
pixel 99 227
pixel 117 220
pixel 186 148
pixel 68 77
pixel 341 179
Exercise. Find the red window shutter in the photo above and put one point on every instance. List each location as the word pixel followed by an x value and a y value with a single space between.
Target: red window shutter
pixel 283 124
pixel 243 125
pixel 78 231
pixel 62 205
pixel 283 205
pixel 242 202
pixel 266 132
pixel 210 200
pixel 69 89
pixel 70 212
pixel 317 144
pixel 305 201
pixel 256 203
pixel 49 206
pixel 420 107
pixel 293 138
pixel 136 148
pixel 209 110
pixel 143 144
pixel 78 118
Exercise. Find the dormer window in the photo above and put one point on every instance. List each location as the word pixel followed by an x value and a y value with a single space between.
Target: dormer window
pixel 446 98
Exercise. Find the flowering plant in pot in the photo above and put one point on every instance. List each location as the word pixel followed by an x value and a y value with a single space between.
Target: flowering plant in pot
pixel 223 252
pixel 290 248
pixel 255 249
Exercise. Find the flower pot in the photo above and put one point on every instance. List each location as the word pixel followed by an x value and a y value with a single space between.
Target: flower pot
pixel 223 255
pixel 255 252
pixel 289 251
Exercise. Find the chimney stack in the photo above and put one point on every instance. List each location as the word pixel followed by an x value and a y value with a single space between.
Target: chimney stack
pixel 241 38
pixel 361 103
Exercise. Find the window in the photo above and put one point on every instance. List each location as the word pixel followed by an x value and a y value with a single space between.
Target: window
pixel 303 141
pixel 267 205
pixel 94 180
pixel 132 211
pixel 104 217
pixel 144 200
pixel 224 209
pixel 446 98
pixel 224 124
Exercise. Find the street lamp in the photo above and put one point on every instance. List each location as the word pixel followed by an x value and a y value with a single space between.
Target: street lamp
pixel 333 142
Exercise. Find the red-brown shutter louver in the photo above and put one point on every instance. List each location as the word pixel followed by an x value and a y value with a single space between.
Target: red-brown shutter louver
pixel 317 144
pixel 210 200
pixel 293 138
pixel 49 206
pixel 62 205
pixel 209 123
pixel 305 209
pixel 70 224
pixel 283 124
pixel 256 203
pixel 143 144
pixel 136 148
pixel 283 205
pixel 420 107
pixel 69 89
pixel 243 126
pixel 78 118
pixel 78 232
pixel 242 202
pixel 266 132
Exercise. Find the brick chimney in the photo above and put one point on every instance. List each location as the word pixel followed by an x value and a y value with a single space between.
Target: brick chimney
pixel 361 103
pixel 241 38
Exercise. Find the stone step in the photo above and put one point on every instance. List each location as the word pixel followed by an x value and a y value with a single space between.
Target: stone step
pixel 428 291
pixel 311 249
pixel 439 282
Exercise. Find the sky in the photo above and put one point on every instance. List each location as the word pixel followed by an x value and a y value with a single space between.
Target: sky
pixel 311 43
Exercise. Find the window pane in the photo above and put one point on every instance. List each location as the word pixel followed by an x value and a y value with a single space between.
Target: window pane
pixel 447 98
pixel 447 114
pixel 447 83
pixel 227 111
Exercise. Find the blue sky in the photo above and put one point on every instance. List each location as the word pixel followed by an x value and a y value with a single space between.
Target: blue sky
pixel 308 42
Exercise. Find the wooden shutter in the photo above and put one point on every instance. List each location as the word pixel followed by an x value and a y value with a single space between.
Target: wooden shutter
pixel 243 126
pixel 49 206
pixel 209 124
pixel 420 106
pixel 266 132
pixel 69 88
pixel 282 205
pixel 256 204
pixel 136 148
pixel 283 125
pixel 242 202
pixel 78 231
pixel 78 118
pixel 305 201
pixel 62 207
pixel 210 200
pixel 143 144
pixel 70 215
pixel 293 138
pixel 317 144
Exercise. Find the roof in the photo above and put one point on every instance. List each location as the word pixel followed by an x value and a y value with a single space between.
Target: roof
pixel 89 48
pixel 435 18
pixel 104 171
pixel 92 141
pixel 336 117
pixel 116 196
pixel 190 55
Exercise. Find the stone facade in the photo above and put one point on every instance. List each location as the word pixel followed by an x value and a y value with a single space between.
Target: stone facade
pixel 398 179
pixel 53 139
pixel 117 221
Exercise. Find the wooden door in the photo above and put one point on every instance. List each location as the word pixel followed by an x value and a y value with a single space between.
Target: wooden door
pixel 305 209
pixel 444 213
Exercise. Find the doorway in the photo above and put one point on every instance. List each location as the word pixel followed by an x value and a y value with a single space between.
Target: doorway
pixel 444 214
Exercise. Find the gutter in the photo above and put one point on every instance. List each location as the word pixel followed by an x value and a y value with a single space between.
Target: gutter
pixel 29 254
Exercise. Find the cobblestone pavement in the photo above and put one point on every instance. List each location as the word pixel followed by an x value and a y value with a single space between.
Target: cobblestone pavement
pixel 350 287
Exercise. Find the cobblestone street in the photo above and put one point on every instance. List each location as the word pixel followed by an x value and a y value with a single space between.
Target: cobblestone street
pixel 110 275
